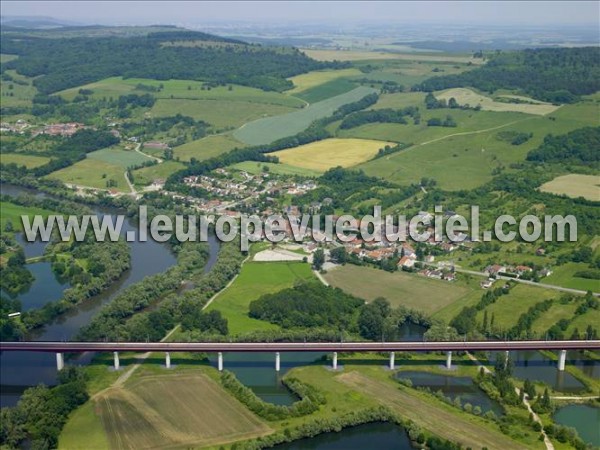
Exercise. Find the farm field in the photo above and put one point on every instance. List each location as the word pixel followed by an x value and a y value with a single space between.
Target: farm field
pixel 265 131
pixel 279 169
pixel 4 57
pixel 181 410
pixel 399 288
pixel 29 161
pixel 557 311
pixel 207 147
pixel 254 280
pixel 119 157
pixel 465 96
pixel 508 308
pixel 181 89
pixel 328 153
pixel 447 423
pixel 92 173
pixel 564 275
pixel 309 80
pixel 574 185
pixel 221 113
pixel 327 90
pixel 357 55
pixel 146 175
pixel 11 212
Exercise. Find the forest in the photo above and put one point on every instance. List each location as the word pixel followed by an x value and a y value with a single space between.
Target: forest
pixel 579 146
pixel 557 75
pixel 62 63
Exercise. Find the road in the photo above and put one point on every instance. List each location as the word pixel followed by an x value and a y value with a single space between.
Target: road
pixel 77 347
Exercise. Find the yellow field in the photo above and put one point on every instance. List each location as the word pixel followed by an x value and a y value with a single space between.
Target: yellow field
pixel 354 55
pixel 168 411
pixel 323 155
pixel 29 161
pixel 575 185
pixel 468 97
pixel 312 79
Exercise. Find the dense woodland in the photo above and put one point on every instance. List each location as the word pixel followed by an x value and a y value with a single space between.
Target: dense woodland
pixel 557 75
pixel 63 63
pixel 579 146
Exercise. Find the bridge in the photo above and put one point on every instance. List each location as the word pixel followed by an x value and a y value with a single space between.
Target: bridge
pixel 277 347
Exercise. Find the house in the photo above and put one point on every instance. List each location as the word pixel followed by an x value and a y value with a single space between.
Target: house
pixel 406 261
pixel 429 258
pixel 545 272
pixel 486 284
pixel 494 270
pixel 407 249
pixel 437 274
pixel 450 276
pixel 520 270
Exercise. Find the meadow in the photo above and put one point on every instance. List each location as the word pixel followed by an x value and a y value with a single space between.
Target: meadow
pixel 464 96
pixel 358 55
pixel 265 131
pixel 9 212
pixel 207 147
pixel 177 410
pixel 574 186
pixel 29 161
pixel 564 275
pixel 119 157
pixel 328 153
pixel 399 288
pixel 13 94
pixel 255 280
pixel 310 80
pixel 146 175
pixel 92 173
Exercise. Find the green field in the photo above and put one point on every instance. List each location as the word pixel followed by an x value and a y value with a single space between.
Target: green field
pixel 399 288
pixel 146 175
pixel 92 173
pixel 327 90
pixel 575 185
pixel 207 147
pixel 279 169
pixel 11 212
pixel 119 157
pixel 256 279
pixel 220 113
pixel 13 94
pixel 265 131
pixel 564 275
pixel 181 410
pixel 328 153
pixel 4 57
pixel 29 161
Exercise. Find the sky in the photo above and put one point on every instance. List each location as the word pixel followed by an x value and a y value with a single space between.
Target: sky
pixel 534 13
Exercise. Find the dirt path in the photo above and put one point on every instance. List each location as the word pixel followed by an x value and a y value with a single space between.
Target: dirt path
pixel 130 184
pixel 547 442
pixel 156 158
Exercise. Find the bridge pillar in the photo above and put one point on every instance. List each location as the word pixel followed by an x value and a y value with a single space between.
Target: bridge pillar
pixel 562 358
pixel 448 360
pixel 334 360
pixel 60 361
pixel 506 358
pixel 220 361
pixel 392 360
pixel 116 358
pixel 277 362
pixel 168 360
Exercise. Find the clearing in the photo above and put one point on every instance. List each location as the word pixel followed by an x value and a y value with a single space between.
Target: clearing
pixel 265 131
pixel 399 288
pixel 255 280
pixel 328 153
pixel 574 186
pixel 181 410
pixel 465 96
pixel 29 161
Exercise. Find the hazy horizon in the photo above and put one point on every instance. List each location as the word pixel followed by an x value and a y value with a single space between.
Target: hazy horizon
pixel 497 13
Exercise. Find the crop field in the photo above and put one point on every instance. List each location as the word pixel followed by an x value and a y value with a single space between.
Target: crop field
pixel 357 55
pixel 310 80
pixel 323 155
pixel 327 90
pixel 182 89
pixel 466 429
pixel 119 157
pixel 564 275
pixel 92 173
pixel 146 175
pixel 265 131
pixel 256 279
pixel 207 147
pixel 182 410
pixel 399 288
pixel 221 113
pixel 575 185
pixel 465 96
pixel 279 169
pixel 29 161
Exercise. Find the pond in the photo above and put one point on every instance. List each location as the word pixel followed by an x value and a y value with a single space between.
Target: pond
pixel 584 418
